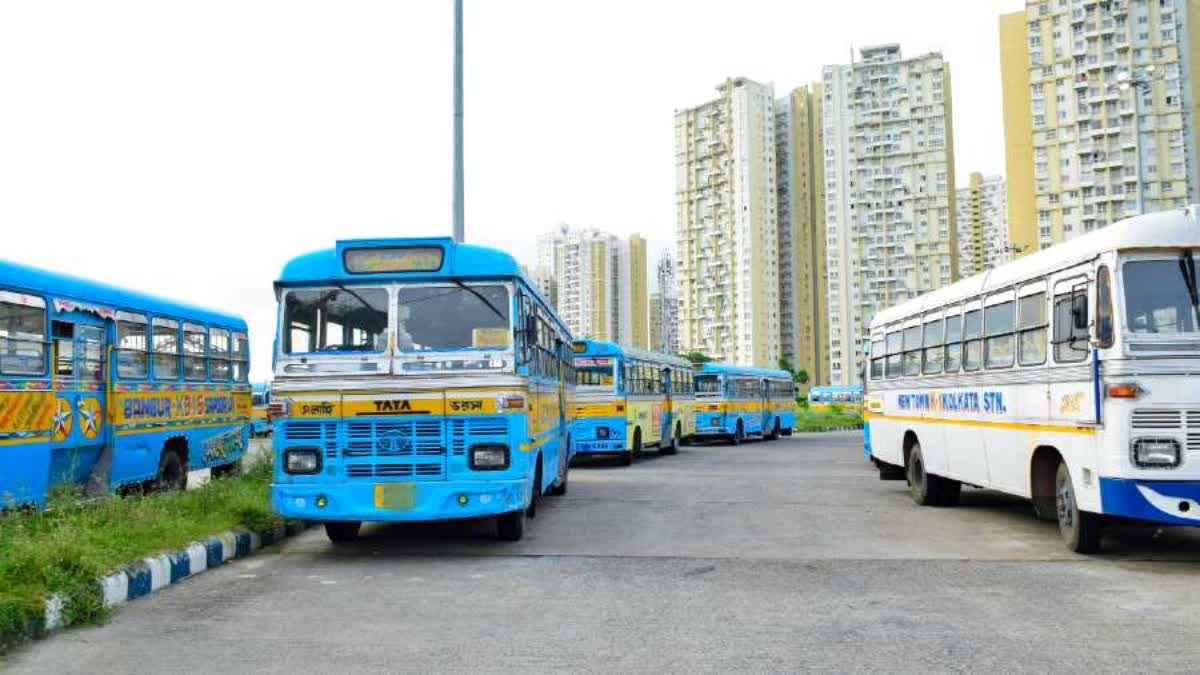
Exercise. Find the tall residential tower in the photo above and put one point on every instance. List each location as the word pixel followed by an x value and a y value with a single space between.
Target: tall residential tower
pixel 1100 113
pixel 982 225
pixel 889 191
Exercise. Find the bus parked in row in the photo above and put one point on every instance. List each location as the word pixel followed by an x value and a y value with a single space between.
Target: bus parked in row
pixel 1067 377
pixel 847 397
pixel 109 388
pixel 630 399
pixel 735 402
pixel 417 379
pixel 260 410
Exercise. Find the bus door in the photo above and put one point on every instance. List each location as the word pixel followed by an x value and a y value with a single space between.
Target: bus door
pixel 78 425
pixel 766 406
pixel 666 413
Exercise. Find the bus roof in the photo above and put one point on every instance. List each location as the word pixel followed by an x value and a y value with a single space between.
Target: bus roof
pixel 604 348
pixel 44 282
pixel 459 261
pixel 729 369
pixel 1166 229
pixel 838 388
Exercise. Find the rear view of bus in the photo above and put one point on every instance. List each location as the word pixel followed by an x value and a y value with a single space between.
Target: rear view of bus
pixel 260 413
pixel 417 379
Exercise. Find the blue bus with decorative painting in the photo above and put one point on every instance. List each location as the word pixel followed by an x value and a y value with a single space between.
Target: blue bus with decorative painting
pixel 260 409
pixel 847 397
pixel 630 399
pixel 108 388
pixel 736 402
pixel 417 380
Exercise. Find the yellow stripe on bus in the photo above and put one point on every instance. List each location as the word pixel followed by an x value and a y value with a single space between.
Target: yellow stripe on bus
pixel 1016 426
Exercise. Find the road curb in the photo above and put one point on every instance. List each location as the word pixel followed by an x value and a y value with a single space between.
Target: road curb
pixel 144 577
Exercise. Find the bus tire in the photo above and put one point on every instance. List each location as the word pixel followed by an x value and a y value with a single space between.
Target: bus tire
pixel 1081 531
pixel 739 433
pixel 774 435
pixel 342 531
pixel 627 458
pixel 172 472
pixel 672 446
pixel 511 526
pixel 925 488
pixel 537 490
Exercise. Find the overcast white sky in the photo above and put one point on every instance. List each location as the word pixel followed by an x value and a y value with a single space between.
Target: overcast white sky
pixel 191 148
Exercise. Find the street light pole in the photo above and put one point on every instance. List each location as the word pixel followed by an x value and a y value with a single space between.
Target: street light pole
pixel 459 219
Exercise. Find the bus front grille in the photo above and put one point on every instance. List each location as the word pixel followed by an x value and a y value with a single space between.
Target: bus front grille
pixel 322 434
pixel 403 449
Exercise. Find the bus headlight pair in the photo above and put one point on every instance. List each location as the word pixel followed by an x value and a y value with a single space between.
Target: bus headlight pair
pixel 489 457
pixel 302 461
pixel 1157 453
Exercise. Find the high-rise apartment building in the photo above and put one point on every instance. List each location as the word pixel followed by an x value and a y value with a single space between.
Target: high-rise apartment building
pixel 726 227
pixel 1100 113
pixel 596 282
pixel 982 225
pixel 800 186
pixel 889 191
pixel 664 309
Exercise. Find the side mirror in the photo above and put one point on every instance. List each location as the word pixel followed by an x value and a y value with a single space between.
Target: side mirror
pixel 1079 311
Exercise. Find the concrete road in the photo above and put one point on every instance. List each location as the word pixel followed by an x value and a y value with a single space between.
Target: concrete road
pixel 786 555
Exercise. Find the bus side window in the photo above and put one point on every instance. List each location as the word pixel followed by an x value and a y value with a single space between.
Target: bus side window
pixel 1070 343
pixel 953 349
pixel 1104 308
pixel 972 336
pixel 894 345
pixel 877 356
pixel 63 333
pixel 22 335
pixel 1031 321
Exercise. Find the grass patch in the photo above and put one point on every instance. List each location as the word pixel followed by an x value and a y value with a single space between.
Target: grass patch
pixel 825 420
pixel 65 548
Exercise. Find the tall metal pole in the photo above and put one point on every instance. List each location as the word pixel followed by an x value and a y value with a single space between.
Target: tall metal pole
pixel 458 121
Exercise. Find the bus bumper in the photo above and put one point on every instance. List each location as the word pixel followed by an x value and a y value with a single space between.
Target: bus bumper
pixel 1166 502
pixel 420 501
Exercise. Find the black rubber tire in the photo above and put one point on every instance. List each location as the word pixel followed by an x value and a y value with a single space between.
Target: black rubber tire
pixel 226 470
pixel 739 435
pixel 626 458
pixel 671 447
pixel 342 531
pixel 511 526
pixel 920 487
pixel 774 435
pixel 536 497
pixel 1081 531
pixel 172 473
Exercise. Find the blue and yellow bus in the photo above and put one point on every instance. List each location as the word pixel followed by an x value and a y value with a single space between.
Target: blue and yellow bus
pixel 260 410
pixel 848 397
pixel 630 399
pixel 113 388
pixel 416 380
pixel 734 402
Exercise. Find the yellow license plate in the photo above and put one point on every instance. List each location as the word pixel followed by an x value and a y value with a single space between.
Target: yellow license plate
pixel 395 496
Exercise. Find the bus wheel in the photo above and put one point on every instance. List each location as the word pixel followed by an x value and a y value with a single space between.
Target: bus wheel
pixel 672 446
pixel 511 526
pixel 739 434
pixel 1080 530
pixel 342 531
pixel 537 490
pixel 774 435
pixel 925 488
pixel 627 458
pixel 560 488
pixel 172 475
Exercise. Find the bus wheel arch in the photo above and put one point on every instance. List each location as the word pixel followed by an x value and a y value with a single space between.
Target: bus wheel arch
pixel 172 465
pixel 926 489
pixel 910 439
pixel 535 497
pixel 1043 469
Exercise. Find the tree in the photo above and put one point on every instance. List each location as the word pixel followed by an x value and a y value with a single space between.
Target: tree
pixel 798 376
pixel 697 357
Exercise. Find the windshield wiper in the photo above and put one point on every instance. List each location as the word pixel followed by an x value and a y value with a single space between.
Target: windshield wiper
pixel 1187 265
pixel 482 299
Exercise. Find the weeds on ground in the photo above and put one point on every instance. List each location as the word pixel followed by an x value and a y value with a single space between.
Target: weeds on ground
pixel 65 548
pixel 825 420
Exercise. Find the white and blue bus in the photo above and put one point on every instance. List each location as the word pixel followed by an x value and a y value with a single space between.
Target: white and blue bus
pixel 1067 376
pixel 416 380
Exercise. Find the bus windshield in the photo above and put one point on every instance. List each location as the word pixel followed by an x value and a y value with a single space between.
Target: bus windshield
pixel 1161 295
pixel 440 318
pixel 343 319
pixel 708 385
pixel 594 372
